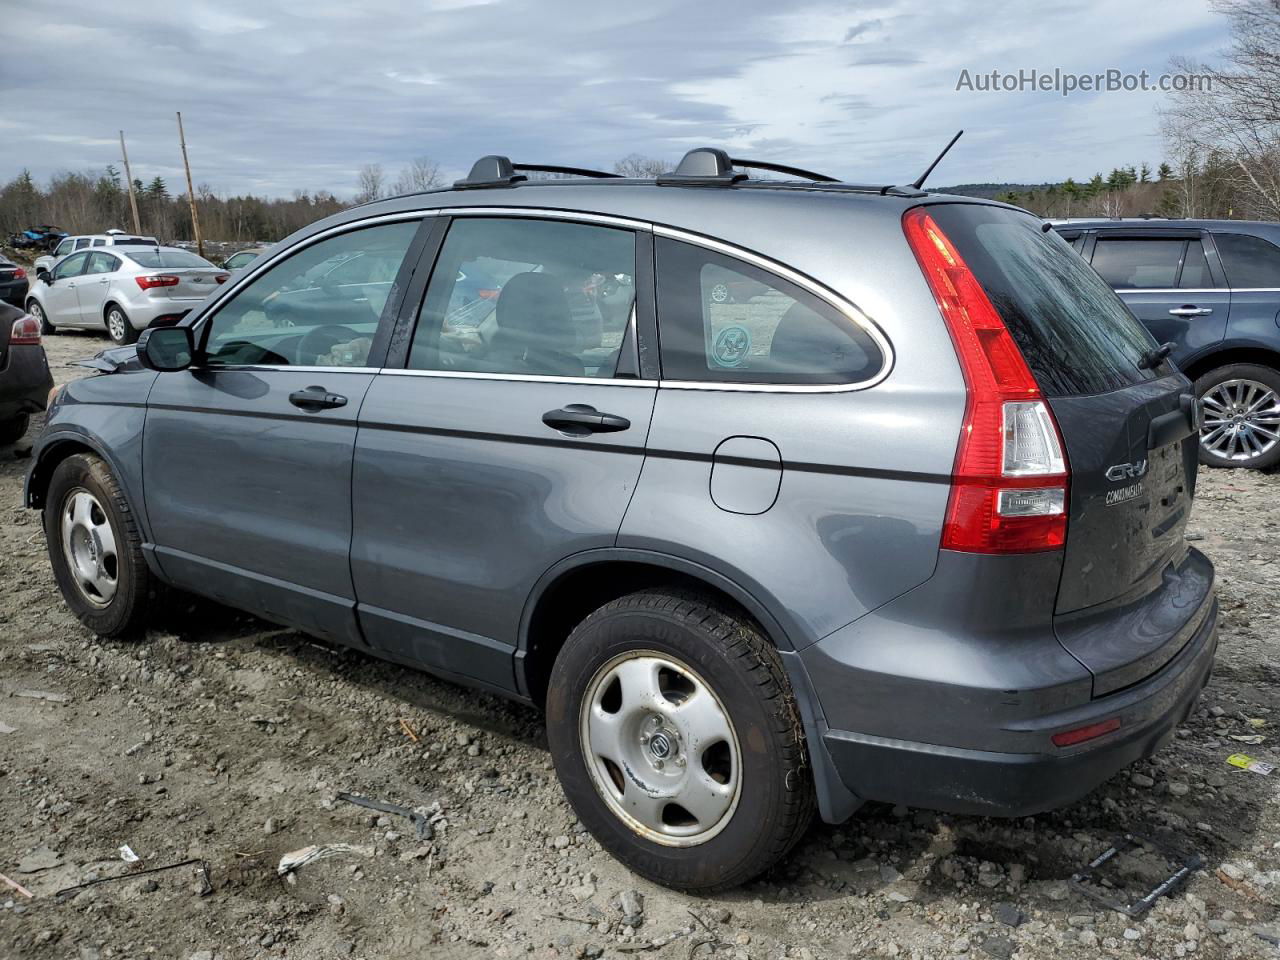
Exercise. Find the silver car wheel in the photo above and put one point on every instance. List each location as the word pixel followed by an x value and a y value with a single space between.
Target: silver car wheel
pixel 89 546
pixel 661 749
pixel 117 325
pixel 1241 420
pixel 37 311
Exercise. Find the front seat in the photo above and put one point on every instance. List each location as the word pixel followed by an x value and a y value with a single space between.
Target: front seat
pixel 535 332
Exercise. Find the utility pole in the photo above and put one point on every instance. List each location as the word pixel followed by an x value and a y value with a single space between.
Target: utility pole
pixel 128 176
pixel 191 190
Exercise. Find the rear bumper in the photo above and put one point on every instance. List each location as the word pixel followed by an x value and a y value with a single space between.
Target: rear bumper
pixel 972 781
pixel 25 381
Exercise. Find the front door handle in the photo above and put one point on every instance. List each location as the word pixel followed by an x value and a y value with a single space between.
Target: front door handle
pixel 1190 310
pixel 316 398
pixel 581 419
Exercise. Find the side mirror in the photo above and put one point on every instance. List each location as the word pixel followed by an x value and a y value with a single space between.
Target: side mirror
pixel 166 349
pixel 47 277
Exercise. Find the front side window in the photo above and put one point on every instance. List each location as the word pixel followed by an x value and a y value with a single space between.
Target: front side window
pixel 299 313
pixel 721 319
pixel 71 267
pixel 1134 264
pixel 238 260
pixel 527 297
pixel 102 263
pixel 1248 261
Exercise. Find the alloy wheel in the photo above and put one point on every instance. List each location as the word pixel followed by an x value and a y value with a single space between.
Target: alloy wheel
pixel 1241 420
pixel 89 546
pixel 660 748
pixel 117 326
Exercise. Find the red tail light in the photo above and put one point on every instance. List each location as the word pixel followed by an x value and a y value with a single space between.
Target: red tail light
pixel 19 274
pixel 1009 484
pixel 157 280
pixel 222 277
pixel 25 332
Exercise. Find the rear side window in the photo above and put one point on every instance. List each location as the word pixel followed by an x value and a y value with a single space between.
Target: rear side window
pixel 1249 261
pixel 103 263
pixel 724 320
pixel 1077 336
pixel 1129 263
pixel 543 298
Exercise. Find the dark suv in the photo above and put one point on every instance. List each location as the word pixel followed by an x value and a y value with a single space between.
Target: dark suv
pixel 872 494
pixel 1212 289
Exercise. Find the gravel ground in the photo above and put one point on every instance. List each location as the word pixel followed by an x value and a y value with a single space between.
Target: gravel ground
pixel 227 740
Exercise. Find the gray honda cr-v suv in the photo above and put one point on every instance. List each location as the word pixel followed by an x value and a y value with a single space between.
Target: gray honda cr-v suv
pixel 773 493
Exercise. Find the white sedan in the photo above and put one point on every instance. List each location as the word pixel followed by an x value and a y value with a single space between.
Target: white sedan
pixel 122 289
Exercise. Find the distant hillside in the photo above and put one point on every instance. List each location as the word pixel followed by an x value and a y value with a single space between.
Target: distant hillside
pixel 988 191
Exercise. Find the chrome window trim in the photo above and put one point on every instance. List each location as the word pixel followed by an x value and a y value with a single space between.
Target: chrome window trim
pixel 1187 289
pixel 284 366
pixel 850 310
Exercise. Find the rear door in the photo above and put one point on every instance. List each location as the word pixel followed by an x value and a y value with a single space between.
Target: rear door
pixel 505 438
pixel 1130 440
pixel 247 456
pixel 1170 281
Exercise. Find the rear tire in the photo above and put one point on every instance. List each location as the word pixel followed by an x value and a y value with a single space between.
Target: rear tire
pixel 11 431
pixel 717 787
pixel 1244 396
pixel 95 548
pixel 119 328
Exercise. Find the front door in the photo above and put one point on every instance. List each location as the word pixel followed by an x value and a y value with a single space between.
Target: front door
pixel 511 438
pixel 61 301
pixel 247 456
pixel 1166 279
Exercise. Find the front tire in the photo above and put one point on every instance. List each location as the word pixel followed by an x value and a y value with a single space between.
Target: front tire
pixel 95 547
pixel 676 737
pixel 119 328
pixel 1242 416
pixel 36 310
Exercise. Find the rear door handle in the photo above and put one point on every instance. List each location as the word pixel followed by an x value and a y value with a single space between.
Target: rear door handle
pixel 1189 310
pixel 581 419
pixel 316 398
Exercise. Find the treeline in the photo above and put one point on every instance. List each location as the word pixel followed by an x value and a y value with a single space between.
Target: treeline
pixel 93 202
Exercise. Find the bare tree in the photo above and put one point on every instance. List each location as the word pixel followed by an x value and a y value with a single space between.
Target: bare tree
pixel 640 167
pixel 423 173
pixel 372 183
pixel 1237 112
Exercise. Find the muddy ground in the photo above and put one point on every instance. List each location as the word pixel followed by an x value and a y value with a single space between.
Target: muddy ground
pixel 227 740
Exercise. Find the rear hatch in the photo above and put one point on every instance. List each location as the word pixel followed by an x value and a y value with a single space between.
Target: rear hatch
pixel 1131 593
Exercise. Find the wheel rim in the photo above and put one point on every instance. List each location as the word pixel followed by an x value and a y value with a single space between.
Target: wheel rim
pixel 35 310
pixel 661 749
pixel 719 293
pixel 89 546
pixel 115 324
pixel 1241 420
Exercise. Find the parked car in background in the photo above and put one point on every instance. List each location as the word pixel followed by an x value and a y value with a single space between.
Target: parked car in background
pixel 242 258
pixel 122 289
pixel 44 236
pixel 13 282
pixel 25 379
pixel 112 238
pixel 906 526
pixel 1212 289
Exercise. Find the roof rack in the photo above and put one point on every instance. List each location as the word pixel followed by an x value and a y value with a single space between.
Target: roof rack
pixel 498 171
pixel 708 166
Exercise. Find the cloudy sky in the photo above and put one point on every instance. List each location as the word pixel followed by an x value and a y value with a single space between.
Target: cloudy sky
pixel 280 95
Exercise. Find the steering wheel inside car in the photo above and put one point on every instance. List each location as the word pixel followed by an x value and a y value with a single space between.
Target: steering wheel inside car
pixel 320 340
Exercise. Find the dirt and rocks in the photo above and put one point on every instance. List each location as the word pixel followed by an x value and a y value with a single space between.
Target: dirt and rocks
pixel 227 741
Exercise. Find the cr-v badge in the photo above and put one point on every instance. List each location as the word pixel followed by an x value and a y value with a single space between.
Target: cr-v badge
pixel 1125 471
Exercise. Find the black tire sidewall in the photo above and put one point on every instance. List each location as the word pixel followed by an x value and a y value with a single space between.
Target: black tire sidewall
pixel 1239 371
pixel 14 429
pixel 732 855
pixel 119 616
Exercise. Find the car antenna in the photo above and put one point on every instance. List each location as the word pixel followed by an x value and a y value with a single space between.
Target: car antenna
pixel 924 176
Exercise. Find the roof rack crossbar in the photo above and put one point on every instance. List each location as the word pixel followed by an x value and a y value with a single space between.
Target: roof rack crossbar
pixel 782 168
pixel 570 171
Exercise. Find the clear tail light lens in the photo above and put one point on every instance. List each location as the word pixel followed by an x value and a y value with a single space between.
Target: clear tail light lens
pixel 1031 445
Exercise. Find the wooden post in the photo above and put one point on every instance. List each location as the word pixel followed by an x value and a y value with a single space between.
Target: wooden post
pixel 191 190
pixel 128 176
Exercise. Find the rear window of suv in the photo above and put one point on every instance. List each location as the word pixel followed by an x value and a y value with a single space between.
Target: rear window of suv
pixel 1077 336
